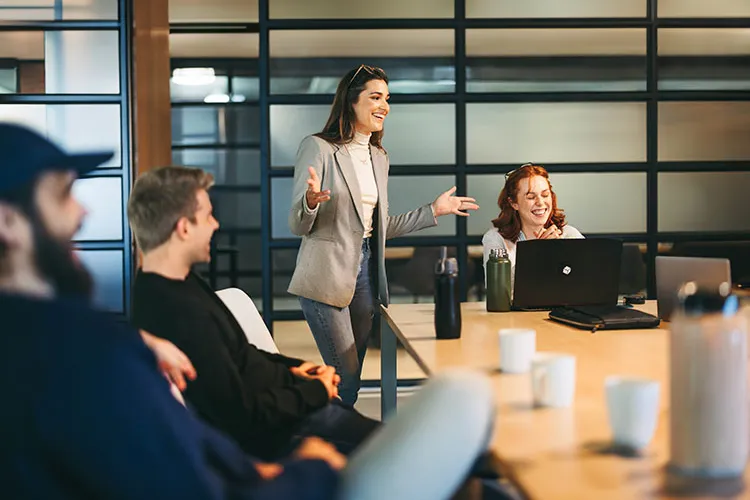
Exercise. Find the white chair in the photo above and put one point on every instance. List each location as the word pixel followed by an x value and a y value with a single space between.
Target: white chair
pixel 428 448
pixel 247 315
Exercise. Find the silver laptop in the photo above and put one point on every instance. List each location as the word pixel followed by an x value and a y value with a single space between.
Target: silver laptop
pixel 672 272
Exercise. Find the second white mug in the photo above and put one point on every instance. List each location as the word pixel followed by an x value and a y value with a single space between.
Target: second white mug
pixel 553 378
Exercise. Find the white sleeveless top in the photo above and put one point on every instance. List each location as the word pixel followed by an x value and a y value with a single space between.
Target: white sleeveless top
pixel 359 148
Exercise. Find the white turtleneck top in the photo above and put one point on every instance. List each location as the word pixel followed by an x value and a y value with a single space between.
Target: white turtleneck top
pixel 359 149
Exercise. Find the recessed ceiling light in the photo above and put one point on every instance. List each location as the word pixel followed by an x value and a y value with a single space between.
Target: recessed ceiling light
pixel 193 76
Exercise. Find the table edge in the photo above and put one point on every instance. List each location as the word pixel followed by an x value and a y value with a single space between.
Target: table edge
pixel 404 341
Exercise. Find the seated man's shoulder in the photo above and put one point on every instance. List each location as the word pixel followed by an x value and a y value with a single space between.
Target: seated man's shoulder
pixel 168 303
pixel 62 339
pixel 61 321
pixel 154 294
pixel 176 313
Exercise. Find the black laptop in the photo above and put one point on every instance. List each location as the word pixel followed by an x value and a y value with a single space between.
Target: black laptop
pixel 578 279
pixel 577 272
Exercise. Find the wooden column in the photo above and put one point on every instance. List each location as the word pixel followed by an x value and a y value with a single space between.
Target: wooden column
pixel 151 68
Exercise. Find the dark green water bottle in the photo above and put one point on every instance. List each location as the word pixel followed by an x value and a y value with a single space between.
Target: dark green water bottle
pixel 498 281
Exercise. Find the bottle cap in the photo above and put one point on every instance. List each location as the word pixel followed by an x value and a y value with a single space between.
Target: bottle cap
pixel 451 266
pixel 498 253
pixel 440 264
pixel 695 300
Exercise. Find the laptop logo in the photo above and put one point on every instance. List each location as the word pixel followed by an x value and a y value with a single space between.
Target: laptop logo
pixel 566 270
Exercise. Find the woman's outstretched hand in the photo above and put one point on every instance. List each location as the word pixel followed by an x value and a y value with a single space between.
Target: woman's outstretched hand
pixel 314 195
pixel 446 204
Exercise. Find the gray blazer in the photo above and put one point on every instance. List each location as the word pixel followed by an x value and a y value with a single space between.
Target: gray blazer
pixel 328 259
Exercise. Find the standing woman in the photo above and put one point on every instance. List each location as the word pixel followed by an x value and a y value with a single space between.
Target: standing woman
pixel 340 208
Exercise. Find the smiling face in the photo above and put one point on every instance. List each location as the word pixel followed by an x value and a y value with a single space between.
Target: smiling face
pixel 372 107
pixel 533 202
pixel 201 229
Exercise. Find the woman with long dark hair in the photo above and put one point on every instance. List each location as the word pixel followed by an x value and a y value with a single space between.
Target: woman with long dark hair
pixel 340 208
pixel 528 210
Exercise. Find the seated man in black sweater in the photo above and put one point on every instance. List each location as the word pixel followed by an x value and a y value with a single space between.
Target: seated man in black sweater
pixel 266 402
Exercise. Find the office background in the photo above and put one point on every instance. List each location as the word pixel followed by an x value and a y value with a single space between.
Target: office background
pixel 639 109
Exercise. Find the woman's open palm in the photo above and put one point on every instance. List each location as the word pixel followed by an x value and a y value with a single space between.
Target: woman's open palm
pixel 446 204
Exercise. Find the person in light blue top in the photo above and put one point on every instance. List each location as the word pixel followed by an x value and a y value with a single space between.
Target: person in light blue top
pixel 528 210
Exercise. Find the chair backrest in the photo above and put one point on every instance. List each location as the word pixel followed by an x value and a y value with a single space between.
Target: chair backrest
pixel 632 270
pixel 250 320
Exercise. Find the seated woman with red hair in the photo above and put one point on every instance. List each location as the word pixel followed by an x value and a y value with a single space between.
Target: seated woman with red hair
pixel 528 210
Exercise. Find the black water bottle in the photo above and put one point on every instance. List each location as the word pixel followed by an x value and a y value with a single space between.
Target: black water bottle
pixel 447 300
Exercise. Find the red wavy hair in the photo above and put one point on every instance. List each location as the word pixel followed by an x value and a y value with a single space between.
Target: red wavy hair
pixel 508 222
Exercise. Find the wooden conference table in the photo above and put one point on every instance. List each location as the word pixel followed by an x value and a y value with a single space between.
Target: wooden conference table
pixel 554 453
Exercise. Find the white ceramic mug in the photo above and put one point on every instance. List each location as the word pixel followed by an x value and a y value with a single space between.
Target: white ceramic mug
pixel 553 377
pixel 517 348
pixel 633 408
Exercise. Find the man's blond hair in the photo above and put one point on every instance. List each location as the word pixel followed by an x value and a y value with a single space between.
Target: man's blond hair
pixel 160 198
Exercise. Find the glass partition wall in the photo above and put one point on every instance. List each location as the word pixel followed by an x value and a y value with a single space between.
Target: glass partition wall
pixel 639 109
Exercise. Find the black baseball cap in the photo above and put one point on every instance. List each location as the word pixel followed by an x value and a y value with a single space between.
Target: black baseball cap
pixel 24 154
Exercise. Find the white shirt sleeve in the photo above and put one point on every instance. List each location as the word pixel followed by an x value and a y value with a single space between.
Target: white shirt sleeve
pixel 307 209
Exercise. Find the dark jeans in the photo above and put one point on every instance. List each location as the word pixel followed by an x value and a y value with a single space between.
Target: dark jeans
pixel 342 333
pixel 338 424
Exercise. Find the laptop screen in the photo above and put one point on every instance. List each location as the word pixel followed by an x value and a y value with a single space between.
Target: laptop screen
pixel 575 272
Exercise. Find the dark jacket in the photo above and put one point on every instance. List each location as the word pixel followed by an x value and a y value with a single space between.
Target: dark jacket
pixel 86 414
pixel 247 393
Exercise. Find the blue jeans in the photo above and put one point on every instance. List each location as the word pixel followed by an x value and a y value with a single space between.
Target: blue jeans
pixel 342 333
